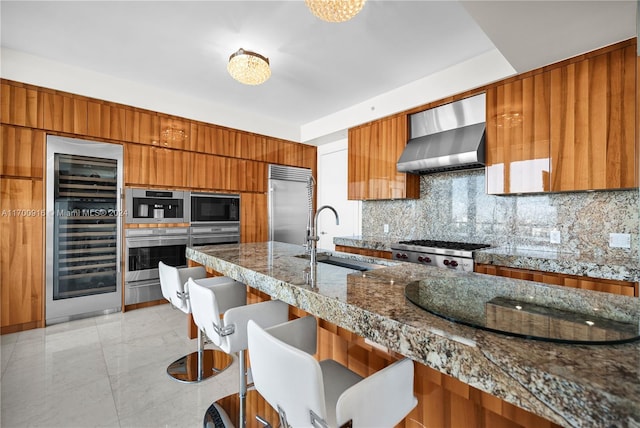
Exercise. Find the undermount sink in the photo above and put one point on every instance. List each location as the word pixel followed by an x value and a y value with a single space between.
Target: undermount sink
pixel 344 262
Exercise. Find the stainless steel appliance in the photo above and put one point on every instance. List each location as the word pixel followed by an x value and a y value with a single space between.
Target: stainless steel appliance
pixel 83 228
pixel 144 249
pixel 157 206
pixel 443 254
pixel 448 137
pixel 218 208
pixel 289 200
pixel 214 234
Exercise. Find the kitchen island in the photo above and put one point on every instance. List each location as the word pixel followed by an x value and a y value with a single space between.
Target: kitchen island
pixel 569 385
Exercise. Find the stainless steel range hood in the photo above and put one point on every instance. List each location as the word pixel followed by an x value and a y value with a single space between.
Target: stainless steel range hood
pixel 449 137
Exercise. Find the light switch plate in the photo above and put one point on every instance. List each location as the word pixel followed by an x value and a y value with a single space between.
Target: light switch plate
pixel 554 236
pixel 619 240
pixel 386 228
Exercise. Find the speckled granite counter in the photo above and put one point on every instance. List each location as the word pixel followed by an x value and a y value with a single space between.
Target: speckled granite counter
pixel 546 261
pixel 571 385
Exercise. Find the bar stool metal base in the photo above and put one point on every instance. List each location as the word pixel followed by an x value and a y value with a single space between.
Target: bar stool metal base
pixel 216 417
pixel 187 369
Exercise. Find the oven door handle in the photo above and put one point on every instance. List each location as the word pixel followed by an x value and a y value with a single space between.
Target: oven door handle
pixel 157 241
pixel 221 239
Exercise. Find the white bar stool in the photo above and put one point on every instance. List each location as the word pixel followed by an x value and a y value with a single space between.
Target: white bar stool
pixel 229 332
pixel 323 394
pixel 204 363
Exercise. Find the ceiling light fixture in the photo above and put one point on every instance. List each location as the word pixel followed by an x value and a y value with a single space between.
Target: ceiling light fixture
pixel 249 67
pixel 335 10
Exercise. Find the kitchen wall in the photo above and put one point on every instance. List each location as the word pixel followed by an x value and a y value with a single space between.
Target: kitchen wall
pixel 454 206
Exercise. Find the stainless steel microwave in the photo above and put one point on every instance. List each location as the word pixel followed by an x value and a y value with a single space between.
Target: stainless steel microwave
pixel 215 208
pixel 157 206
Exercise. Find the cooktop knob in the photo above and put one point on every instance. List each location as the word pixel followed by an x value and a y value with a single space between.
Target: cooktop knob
pixel 446 262
pixel 427 260
pixel 453 263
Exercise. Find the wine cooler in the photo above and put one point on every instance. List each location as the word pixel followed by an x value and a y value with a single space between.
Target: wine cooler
pixel 84 228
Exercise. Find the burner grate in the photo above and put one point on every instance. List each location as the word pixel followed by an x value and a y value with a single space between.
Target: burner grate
pixel 464 246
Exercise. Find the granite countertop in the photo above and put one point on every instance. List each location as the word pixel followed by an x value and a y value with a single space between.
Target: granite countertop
pixel 572 385
pixel 623 269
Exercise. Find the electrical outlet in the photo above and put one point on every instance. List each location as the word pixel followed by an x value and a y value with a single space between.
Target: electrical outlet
pixel 554 236
pixel 386 228
pixel 619 240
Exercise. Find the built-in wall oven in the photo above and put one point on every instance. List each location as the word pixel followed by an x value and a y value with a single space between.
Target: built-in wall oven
pixel 146 247
pixel 152 206
pixel 215 219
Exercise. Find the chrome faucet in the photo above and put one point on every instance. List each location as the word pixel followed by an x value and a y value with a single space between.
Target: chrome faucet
pixel 313 237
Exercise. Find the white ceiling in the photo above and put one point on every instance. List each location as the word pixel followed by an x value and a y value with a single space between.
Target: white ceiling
pixel 318 68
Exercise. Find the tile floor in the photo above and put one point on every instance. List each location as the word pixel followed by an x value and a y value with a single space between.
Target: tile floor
pixel 107 371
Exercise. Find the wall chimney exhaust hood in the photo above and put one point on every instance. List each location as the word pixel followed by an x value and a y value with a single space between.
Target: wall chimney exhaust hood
pixel 449 137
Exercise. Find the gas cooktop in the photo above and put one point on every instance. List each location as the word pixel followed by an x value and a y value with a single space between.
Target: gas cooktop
pixel 427 243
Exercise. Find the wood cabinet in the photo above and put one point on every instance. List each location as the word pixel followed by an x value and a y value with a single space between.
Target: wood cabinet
pixel 21 152
pixel 567 127
pixel 518 136
pixel 593 122
pixel 65 113
pixel 625 288
pixel 374 150
pixel 381 254
pixel 253 221
pixel 21 255
pixel 155 166
pixel 20 106
pixel 210 172
pixel 106 121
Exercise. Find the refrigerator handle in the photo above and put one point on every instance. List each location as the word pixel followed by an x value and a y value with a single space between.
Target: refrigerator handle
pixel 270 212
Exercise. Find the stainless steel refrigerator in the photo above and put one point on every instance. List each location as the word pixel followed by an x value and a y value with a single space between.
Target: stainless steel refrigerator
pixel 84 228
pixel 289 200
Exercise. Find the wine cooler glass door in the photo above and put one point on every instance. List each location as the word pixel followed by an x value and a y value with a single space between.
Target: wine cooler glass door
pixel 84 214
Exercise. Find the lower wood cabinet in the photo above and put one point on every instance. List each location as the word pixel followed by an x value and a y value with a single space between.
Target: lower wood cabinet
pixel 21 256
pixel 625 288
pixel 381 254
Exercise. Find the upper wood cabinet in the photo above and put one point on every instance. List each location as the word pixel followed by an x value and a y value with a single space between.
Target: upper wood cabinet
pixel 21 152
pixel 518 136
pixel 593 122
pixel 155 166
pixel 568 128
pixel 374 149
pixel 20 106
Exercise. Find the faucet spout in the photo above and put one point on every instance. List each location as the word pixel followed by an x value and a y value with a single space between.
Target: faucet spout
pixel 314 238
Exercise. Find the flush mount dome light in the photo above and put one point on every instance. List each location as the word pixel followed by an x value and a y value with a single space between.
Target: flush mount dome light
pixel 249 67
pixel 335 10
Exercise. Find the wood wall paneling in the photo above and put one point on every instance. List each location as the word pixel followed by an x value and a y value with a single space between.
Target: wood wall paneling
pixel 21 258
pixel 20 106
pixel 21 152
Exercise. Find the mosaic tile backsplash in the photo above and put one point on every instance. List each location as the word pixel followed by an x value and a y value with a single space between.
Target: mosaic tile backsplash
pixel 454 207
